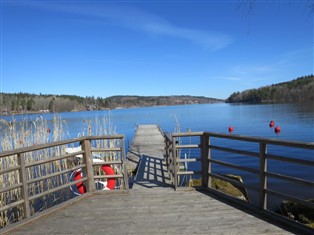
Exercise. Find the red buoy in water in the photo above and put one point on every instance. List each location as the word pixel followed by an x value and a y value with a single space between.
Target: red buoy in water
pixel 277 129
pixel 230 129
pixel 271 124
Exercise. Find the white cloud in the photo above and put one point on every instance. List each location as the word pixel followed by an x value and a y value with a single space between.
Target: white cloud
pixel 230 78
pixel 253 70
pixel 139 20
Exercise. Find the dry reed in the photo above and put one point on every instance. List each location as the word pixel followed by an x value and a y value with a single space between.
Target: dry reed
pixel 99 127
pixel 18 134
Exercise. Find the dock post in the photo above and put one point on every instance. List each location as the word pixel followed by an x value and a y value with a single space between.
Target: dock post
pixel 88 160
pixel 204 160
pixel 174 160
pixel 23 180
pixel 263 177
pixel 124 165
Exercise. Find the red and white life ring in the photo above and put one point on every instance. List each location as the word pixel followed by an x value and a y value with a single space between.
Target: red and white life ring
pixel 111 182
pixel 80 186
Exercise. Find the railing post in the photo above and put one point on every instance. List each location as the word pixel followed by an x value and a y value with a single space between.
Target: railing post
pixel 167 152
pixel 23 180
pixel 167 156
pixel 174 159
pixel 88 160
pixel 125 172
pixel 263 177
pixel 209 170
pixel 170 160
pixel 206 182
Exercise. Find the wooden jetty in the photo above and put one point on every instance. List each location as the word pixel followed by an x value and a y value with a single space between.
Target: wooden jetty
pixel 151 205
pixel 147 152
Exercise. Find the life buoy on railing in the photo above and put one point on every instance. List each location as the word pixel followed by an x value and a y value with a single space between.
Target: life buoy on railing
pixel 80 186
pixel 111 182
pixel 107 185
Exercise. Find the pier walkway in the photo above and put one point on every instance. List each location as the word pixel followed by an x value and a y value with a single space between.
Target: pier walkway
pixel 150 206
pixel 148 150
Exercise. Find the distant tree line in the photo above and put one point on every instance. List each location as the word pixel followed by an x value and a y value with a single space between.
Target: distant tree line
pixel 26 102
pixel 144 101
pixel 297 90
pixel 300 89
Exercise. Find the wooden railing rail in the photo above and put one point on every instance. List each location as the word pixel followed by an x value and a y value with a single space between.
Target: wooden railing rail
pixel 25 163
pixel 262 173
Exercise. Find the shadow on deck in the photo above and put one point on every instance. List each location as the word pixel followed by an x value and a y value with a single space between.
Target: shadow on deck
pixel 151 173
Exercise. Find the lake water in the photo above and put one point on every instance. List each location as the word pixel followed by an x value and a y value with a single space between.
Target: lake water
pixel 295 120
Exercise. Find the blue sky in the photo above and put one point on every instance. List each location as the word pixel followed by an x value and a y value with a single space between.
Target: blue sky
pixel 105 48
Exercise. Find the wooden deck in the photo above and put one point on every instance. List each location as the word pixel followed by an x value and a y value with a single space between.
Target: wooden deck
pixel 149 211
pixel 151 206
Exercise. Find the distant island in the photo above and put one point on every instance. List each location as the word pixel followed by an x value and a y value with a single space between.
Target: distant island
pixel 297 90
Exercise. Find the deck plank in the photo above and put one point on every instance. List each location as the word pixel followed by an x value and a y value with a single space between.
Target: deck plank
pixel 149 211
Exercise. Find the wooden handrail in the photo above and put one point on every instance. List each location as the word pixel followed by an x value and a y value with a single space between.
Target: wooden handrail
pixel 174 146
pixel 58 143
pixel 173 161
pixel 27 176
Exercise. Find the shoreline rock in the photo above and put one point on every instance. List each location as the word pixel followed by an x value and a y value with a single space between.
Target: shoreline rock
pixel 297 212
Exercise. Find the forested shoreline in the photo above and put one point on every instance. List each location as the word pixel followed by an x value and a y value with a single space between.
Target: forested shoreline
pixel 298 90
pixel 32 103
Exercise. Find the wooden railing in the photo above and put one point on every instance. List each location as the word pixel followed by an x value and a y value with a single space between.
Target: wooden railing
pixel 35 173
pixel 19 169
pixel 208 154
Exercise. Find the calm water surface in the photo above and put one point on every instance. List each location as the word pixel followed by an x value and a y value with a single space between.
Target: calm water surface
pixel 295 120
